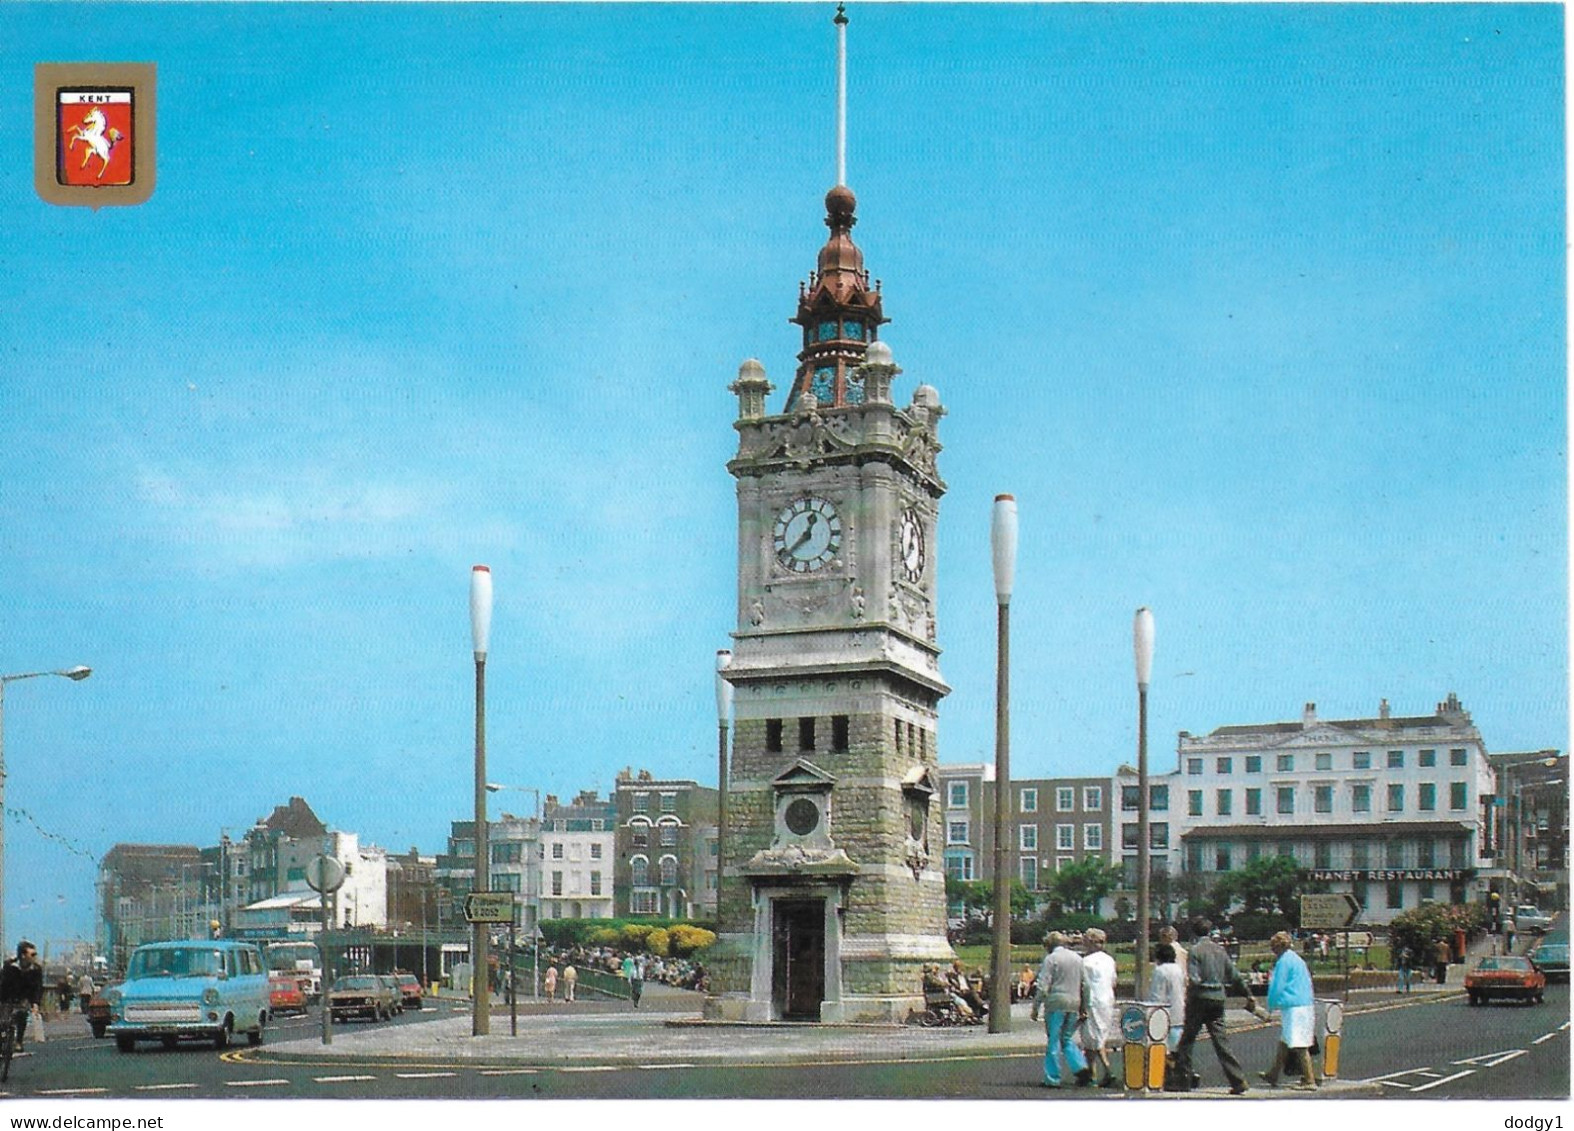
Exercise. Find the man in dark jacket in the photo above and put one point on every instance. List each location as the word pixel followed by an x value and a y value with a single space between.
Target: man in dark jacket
pixel 1210 976
pixel 22 986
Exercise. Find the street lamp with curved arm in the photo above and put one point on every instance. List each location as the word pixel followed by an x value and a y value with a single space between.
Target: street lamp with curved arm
pixel 77 673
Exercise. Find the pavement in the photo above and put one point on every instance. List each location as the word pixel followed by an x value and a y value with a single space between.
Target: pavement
pixel 667 1032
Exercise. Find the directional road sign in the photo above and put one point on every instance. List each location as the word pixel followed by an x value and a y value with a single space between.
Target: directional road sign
pixel 1331 909
pixel 490 907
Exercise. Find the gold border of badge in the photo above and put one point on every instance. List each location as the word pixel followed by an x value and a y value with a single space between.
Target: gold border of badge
pixel 49 81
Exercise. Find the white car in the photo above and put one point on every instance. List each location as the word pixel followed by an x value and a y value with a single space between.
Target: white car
pixel 1528 918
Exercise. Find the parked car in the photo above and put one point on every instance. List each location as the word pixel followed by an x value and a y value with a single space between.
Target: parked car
pixel 286 994
pixel 361 995
pixel 1505 975
pixel 190 989
pixel 1551 956
pixel 410 988
pixel 394 989
pixel 98 1011
pixel 1529 919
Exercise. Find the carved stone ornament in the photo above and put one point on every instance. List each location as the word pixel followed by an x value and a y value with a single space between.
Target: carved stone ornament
pixel 757 612
pixel 920 449
pixel 805 439
pixel 856 600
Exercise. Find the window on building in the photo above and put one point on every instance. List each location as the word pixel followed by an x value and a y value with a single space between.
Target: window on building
pixel 1253 851
pixel 1130 798
pixel 1286 763
pixel 1027 838
pixel 773 736
pixel 461 848
pixel 1361 760
pixel 1194 857
pixel 557 850
pixel 639 871
pixel 1396 895
pixel 642 803
pixel 1065 837
pixel 1322 854
pixel 642 902
pixel 1458 796
pixel 1361 798
pixel 1396 798
pixel 1426 759
pixel 1394 853
pixel 669 871
pixel 1128 837
pixel 595 850
pixel 1194 802
pixel 1426 890
pixel 1093 837
pixel 1426 852
pixel 1193 766
pixel 839 733
pixel 1254 763
pixel 1456 854
pixel 1323 799
pixel 956 832
pixel 806 733
pixel 1221 857
pixel 1063 862
pixel 668 836
pixel 1284 799
pixel 1223 800
pixel 595 883
pixel 1254 803
pixel 959 865
pixel 639 836
pixel 557 883
pixel 1158 798
pixel 1396 759
pixel 1027 868
pixel 1030 801
pixel 1358 889
pixel 1224 765
pixel 1092 797
pixel 1360 854
pixel 1287 851
pixel 956 795
pixel 1456 757
pixel 1065 800
pixel 1426 796
pixel 1159 834
pixel 1324 760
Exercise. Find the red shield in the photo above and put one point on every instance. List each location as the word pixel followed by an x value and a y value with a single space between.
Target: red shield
pixel 94 135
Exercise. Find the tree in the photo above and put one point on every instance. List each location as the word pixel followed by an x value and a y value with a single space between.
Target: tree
pixel 972 896
pixel 1082 885
pixel 1268 883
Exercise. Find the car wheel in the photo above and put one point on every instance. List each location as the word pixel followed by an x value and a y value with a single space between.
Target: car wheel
pixel 221 1039
pixel 99 1028
pixel 1475 999
pixel 125 1044
pixel 254 1037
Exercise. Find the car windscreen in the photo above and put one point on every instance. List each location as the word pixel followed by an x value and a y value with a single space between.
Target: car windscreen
pixel 176 962
pixel 358 983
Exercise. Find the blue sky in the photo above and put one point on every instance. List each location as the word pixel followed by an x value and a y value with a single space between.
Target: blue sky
pixel 1258 310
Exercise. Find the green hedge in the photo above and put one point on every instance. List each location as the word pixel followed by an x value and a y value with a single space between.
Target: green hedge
pixel 673 937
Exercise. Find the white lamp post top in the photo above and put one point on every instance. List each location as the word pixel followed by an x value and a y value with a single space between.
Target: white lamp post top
pixel 1003 544
pixel 1142 641
pixel 480 608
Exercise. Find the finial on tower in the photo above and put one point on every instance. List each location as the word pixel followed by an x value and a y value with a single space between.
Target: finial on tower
pixel 841 93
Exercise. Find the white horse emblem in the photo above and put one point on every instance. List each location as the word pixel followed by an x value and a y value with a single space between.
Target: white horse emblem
pixel 95 139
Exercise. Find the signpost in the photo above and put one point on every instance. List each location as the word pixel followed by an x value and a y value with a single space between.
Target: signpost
pixel 489 907
pixel 324 874
pixel 1329 911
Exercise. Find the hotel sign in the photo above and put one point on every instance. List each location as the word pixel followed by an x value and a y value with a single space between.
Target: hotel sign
pixel 1384 875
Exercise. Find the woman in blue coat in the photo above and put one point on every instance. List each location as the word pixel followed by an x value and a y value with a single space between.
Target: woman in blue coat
pixel 1290 992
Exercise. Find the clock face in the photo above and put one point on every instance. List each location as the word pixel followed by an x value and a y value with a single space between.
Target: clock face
pixel 912 546
pixel 807 534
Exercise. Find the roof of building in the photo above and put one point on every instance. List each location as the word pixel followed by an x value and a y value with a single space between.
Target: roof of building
pixel 295 820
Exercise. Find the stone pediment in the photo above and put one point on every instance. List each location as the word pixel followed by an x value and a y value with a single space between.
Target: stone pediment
pixel 1321 734
pixel 802 776
pixel 920 780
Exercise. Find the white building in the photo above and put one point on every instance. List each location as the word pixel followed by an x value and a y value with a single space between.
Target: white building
pixel 579 845
pixel 1392 809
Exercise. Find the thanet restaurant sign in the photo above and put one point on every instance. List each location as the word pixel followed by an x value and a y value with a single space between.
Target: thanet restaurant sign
pixel 1381 875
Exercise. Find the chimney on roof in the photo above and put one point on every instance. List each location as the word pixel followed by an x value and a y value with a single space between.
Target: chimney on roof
pixel 1382 709
pixel 1309 716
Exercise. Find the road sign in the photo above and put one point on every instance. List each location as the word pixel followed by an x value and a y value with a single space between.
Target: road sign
pixel 1330 909
pixel 490 907
pixel 1356 940
pixel 324 873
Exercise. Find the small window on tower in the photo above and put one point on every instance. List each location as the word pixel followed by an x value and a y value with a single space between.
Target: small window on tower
pixel 898 728
pixel 773 735
pixel 839 733
pixel 806 733
pixel 827 331
pixel 853 330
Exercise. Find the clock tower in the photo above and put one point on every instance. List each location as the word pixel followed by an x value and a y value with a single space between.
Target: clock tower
pixel 832 886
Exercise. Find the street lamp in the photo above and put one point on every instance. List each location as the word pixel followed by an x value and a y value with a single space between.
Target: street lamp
pixel 1003 547
pixel 76 673
pixel 1142 643
pixel 480 628
pixel 723 717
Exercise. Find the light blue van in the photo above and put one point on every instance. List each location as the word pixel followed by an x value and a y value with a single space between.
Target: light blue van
pixel 191 988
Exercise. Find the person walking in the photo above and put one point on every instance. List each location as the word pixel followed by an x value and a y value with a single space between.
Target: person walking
pixel 1210 976
pixel 1168 934
pixel 549 983
pixel 1508 934
pixel 1060 981
pixel 85 989
pixel 1098 983
pixel 1169 987
pixel 1290 992
pixel 570 980
pixel 1404 961
pixel 21 988
pixel 1440 961
pixel 634 971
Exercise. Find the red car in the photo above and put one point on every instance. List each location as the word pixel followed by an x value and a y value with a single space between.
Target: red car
pixel 285 994
pixel 410 989
pixel 1505 975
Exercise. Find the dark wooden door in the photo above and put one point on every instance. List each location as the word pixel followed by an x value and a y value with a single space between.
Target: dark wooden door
pixel 798 972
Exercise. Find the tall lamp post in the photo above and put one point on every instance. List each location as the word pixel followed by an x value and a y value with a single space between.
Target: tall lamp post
pixel 1003 547
pixel 1142 642
pixel 723 717
pixel 76 673
pixel 480 628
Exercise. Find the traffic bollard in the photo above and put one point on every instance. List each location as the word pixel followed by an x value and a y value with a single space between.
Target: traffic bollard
pixel 1330 1021
pixel 1144 1025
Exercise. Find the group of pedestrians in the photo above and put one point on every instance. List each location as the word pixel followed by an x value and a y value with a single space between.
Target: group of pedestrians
pixel 1076 993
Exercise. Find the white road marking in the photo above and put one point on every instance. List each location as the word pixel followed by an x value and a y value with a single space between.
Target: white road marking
pixel 1445 1080
pixel 252 1083
pixel 509 1071
pixel 341 1079
pixel 70 1091
pixel 1548 1037
pixel 424 1075
pixel 1395 1084
pixel 659 1067
pixel 1492 1059
pixel 162 1087
pixel 1384 1079
pixel 591 1068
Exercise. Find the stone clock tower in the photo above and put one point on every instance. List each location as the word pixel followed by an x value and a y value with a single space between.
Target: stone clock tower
pixel 832 888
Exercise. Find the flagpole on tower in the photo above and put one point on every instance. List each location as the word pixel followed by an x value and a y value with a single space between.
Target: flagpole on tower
pixel 841 94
